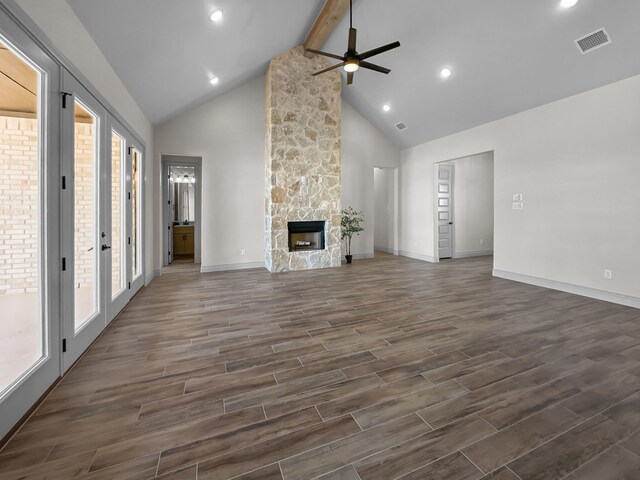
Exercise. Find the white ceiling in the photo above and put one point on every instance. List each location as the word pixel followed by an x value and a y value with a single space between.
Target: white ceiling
pixel 506 55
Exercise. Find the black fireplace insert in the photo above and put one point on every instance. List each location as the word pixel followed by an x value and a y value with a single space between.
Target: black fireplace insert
pixel 304 236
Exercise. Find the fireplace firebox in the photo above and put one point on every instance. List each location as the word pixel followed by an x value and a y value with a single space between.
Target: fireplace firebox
pixel 304 236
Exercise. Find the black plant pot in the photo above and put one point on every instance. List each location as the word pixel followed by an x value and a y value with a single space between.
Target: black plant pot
pixel 349 258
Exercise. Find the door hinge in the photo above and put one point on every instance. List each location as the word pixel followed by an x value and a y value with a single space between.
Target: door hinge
pixel 168 227
pixel 129 285
pixel 129 240
pixel 169 253
pixel 130 149
pixel 64 345
pixel 129 195
pixel 64 182
pixel 64 264
pixel 64 98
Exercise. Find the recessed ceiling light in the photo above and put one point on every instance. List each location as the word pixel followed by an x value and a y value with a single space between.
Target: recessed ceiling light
pixel 445 73
pixel 216 16
pixel 214 80
pixel 568 3
pixel 386 108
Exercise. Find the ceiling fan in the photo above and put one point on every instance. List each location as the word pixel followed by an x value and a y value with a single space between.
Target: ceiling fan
pixel 352 60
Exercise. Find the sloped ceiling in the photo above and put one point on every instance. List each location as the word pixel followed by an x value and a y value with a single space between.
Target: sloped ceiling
pixel 506 55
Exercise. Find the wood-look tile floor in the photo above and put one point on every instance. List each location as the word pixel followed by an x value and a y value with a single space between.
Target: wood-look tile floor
pixel 387 368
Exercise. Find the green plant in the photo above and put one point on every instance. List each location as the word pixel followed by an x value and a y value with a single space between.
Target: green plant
pixel 350 224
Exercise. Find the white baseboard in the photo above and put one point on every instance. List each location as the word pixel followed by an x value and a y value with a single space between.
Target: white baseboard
pixel 419 256
pixel 151 276
pixel 230 267
pixel 362 256
pixel 477 253
pixel 618 298
pixel 386 250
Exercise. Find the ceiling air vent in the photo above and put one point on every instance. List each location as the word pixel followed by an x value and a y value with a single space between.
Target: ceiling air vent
pixel 401 126
pixel 593 41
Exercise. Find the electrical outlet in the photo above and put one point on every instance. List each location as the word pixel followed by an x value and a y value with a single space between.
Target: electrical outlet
pixel 243 252
pixel 608 274
pixel 517 197
pixel 517 205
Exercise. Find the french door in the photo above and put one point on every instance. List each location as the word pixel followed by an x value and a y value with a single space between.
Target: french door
pixel 101 218
pixel 29 222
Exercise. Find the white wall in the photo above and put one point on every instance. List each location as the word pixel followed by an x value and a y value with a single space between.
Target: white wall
pixel 385 192
pixel 228 133
pixel 363 148
pixel 473 205
pixel 577 163
pixel 65 31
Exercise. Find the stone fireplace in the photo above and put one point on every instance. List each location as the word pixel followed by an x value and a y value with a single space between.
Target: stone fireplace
pixel 303 163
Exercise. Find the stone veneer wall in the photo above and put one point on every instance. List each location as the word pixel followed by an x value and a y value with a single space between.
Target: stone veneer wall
pixel 303 158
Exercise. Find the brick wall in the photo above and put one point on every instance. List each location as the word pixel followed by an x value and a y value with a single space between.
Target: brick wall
pixel 18 205
pixel 116 212
pixel 84 205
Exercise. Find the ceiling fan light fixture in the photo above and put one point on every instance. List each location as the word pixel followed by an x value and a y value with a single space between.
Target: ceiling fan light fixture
pixel 351 66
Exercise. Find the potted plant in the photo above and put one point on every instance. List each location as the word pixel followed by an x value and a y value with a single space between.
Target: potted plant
pixel 351 224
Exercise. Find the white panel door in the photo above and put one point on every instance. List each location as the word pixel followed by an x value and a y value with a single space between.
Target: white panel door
pixel 30 261
pixel 445 210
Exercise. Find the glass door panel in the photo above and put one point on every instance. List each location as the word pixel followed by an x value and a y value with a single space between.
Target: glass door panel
pixel 29 226
pixel 136 214
pixel 86 154
pixel 118 218
pixel 22 342
pixel 85 215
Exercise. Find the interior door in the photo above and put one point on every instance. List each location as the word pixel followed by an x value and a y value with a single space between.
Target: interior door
pixel 445 210
pixel 84 221
pixel 29 233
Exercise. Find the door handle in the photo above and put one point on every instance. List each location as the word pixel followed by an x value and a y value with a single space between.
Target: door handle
pixel 106 247
pixel 450 223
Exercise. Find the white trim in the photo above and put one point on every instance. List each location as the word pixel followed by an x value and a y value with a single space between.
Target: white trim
pixel 230 267
pixel 477 253
pixel 151 276
pixel 386 250
pixel 612 297
pixel 419 256
pixel 363 256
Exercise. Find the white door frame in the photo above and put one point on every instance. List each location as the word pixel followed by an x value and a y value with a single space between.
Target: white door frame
pixel 18 399
pixel 167 227
pixel 436 248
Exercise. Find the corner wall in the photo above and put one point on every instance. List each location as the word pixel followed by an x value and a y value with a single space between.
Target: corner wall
pixel 577 164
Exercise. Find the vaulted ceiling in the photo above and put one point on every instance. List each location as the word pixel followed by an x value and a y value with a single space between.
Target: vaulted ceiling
pixel 506 55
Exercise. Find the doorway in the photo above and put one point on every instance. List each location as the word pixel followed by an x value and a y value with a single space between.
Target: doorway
pixel 182 207
pixel 464 205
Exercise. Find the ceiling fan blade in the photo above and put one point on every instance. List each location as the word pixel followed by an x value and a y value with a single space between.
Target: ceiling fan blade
pixel 373 66
pixel 349 78
pixel 353 33
pixel 328 69
pixel 378 51
pixel 330 55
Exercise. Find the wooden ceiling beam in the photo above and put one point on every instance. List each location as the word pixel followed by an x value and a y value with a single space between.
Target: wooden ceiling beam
pixel 329 17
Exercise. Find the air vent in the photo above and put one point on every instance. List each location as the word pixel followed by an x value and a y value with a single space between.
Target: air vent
pixel 401 126
pixel 593 41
